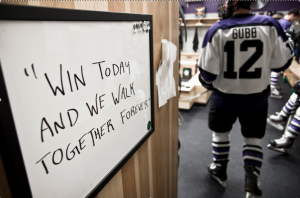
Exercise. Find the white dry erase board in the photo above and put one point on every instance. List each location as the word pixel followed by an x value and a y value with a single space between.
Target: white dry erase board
pixel 76 91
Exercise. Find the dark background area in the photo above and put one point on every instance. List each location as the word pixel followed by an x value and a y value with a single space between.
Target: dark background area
pixel 280 173
pixel 212 6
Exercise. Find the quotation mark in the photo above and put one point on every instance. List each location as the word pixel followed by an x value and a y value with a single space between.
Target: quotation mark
pixel 32 67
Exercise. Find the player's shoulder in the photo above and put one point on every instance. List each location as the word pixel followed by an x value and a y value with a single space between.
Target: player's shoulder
pixel 215 27
pixel 251 20
pixel 264 19
pixel 247 19
pixel 211 33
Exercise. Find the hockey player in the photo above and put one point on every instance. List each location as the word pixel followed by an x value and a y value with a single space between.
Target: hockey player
pixel 285 143
pixel 237 55
pixel 285 23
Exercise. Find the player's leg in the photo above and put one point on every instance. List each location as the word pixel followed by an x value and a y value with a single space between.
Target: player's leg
pixel 253 158
pixel 279 119
pixel 220 122
pixel 274 90
pixel 252 150
pixel 220 150
pixel 285 143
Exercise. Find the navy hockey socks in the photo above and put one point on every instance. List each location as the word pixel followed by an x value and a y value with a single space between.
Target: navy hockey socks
pixel 274 78
pixel 220 146
pixel 294 128
pixel 253 154
pixel 289 106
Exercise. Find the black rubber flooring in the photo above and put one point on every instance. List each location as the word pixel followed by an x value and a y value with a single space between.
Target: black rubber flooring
pixel 280 174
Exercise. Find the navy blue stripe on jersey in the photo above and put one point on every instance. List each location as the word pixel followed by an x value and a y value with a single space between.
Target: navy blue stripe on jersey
pixel 207 85
pixel 240 101
pixel 284 67
pixel 243 20
pixel 207 76
pixel 285 24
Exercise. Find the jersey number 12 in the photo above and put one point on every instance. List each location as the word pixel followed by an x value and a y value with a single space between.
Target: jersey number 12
pixel 243 71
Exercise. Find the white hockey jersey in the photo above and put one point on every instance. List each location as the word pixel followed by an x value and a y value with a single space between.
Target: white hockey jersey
pixel 238 54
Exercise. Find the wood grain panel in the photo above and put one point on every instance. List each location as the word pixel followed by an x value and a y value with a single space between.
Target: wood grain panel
pixel 128 179
pixel 156 144
pixel 145 9
pixel 152 170
pixel 143 163
pixel 174 114
pixel 57 4
pixel 137 174
pixel 116 6
pixel 127 6
pixel 150 167
pixel 136 7
pixel 91 5
pixel 114 189
pixel 16 2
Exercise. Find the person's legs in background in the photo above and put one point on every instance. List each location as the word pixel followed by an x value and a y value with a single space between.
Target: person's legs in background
pixel 279 119
pixel 285 143
pixel 275 92
pixel 287 109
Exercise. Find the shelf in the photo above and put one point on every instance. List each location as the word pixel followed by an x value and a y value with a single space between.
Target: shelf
pixel 201 19
pixel 198 25
pixel 199 22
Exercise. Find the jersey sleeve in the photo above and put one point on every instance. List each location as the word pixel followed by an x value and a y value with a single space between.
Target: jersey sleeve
pixel 209 59
pixel 282 53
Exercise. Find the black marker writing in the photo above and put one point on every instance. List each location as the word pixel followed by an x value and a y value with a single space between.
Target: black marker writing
pixel 134 110
pixel 62 126
pixel 99 63
pixel 92 109
pixel 32 67
pixel 76 78
pixel 61 157
pixel 116 69
pixel 61 90
pixel 71 123
pixel 44 165
pixel 124 93
pixel 71 151
pixel 45 126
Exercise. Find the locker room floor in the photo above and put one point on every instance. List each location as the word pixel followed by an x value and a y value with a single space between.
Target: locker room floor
pixel 280 173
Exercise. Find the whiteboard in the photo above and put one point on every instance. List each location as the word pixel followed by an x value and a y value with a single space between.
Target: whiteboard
pixel 80 95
